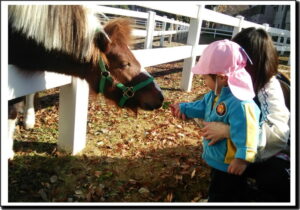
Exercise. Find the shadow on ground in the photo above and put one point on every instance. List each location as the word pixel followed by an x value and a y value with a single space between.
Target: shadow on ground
pixel 171 174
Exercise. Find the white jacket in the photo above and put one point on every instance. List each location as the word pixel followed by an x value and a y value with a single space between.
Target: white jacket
pixel 275 129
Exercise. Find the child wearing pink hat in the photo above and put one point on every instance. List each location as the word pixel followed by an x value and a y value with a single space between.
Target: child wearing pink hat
pixel 230 101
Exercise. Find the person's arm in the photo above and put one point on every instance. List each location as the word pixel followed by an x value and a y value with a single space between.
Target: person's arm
pixel 244 129
pixel 275 130
pixel 237 166
pixel 175 109
pixel 243 132
pixel 192 109
pixel 215 131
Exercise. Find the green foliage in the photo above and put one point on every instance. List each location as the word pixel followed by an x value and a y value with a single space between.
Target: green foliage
pixel 166 105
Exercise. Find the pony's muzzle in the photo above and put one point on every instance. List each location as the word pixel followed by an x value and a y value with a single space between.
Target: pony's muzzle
pixel 149 96
pixel 153 98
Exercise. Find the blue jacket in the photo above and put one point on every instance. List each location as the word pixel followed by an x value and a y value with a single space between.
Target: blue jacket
pixel 243 119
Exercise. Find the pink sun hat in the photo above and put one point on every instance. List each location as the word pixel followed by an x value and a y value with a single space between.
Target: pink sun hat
pixel 228 58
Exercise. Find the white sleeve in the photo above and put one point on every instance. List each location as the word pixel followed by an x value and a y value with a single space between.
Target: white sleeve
pixel 275 128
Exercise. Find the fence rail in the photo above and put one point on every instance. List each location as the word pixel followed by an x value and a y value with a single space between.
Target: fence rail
pixel 216 31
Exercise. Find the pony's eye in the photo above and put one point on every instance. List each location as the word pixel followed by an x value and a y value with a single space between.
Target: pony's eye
pixel 125 65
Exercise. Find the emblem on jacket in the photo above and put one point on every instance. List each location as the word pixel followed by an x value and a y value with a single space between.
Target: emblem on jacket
pixel 221 109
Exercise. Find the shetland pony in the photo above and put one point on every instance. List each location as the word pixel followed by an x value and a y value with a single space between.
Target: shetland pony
pixel 70 40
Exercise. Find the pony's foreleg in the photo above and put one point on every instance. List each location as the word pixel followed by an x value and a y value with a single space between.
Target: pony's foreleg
pixel 29 114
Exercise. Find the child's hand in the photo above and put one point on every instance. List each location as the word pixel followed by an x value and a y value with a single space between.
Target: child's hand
pixel 215 131
pixel 237 166
pixel 175 109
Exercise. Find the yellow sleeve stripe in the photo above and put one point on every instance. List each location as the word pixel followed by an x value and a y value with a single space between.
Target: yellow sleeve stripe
pixel 252 131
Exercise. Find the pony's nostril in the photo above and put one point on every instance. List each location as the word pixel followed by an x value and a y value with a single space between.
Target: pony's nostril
pixel 161 97
pixel 158 106
pixel 151 107
pixel 148 107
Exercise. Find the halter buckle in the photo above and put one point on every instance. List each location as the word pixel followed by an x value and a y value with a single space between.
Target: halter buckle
pixel 128 92
pixel 105 73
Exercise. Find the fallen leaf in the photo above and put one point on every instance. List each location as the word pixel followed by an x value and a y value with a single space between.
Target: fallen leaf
pixel 169 197
pixel 180 134
pixel 43 194
pixel 78 192
pixel 197 198
pixel 143 190
pixel 185 166
pixel 53 179
pixel 193 173
pixel 132 181
pixel 178 177
pixel 97 173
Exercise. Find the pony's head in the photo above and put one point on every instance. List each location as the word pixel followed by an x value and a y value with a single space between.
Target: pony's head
pixel 64 39
pixel 127 83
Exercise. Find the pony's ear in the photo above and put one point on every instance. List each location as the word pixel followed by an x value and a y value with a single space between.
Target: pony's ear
pixel 119 31
pixel 102 41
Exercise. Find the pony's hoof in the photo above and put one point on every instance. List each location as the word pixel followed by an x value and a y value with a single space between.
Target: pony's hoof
pixel 29 121
pixel 29 125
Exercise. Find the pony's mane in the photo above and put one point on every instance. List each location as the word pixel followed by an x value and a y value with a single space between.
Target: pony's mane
pixel 119 31
pixel 65 28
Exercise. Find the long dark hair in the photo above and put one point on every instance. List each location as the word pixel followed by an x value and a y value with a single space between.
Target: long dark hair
pixel 260 48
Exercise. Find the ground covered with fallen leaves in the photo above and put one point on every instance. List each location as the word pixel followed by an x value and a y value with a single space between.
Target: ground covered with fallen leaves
pixel 151 157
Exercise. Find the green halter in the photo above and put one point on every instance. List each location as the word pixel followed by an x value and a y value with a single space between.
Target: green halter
pixel 128 92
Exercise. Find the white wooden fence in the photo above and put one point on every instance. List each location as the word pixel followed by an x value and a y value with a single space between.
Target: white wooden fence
pixel 73 102
pixel 189 52
pixel 74 92
pixel 149 20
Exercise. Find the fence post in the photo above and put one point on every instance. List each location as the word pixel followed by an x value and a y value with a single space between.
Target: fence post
pixel 170 29
pixel 73 107
pixel 187 28
pixel 239 27
pixel 162 38
pixel 283 45
pixel 150 30
pixel 278 40
pixel 181 32
pixel 193 39
pixel 177 34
